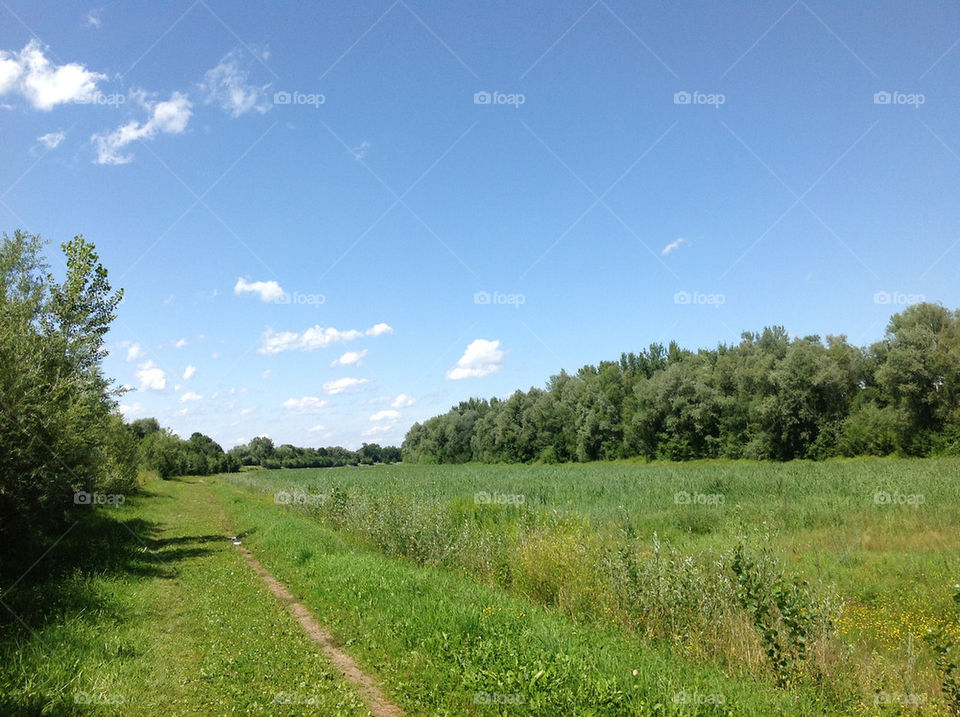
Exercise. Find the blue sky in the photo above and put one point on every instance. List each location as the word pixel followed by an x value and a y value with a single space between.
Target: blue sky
pixel 332 220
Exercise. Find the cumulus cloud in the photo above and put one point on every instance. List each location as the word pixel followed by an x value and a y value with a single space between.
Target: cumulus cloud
pixel 45 85
pixel 93 19
pixel 128 410
pixel 673 245
pixel 151 377
pixel 386 415
pixel 227 85
pixel 266 290
pixel 168 117
pixel 481 358
pixel 316 429
pixel 305 403
pixel 51 140
pixel 179 343
pixel 343 384
pixel 189 372
pixel 190 396
pixel 374 430
pixel 316 337
pixel 350 358
pixel 379 329
pixel 403 401
pixel 134 352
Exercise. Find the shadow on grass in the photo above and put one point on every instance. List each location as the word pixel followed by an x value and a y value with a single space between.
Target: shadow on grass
pixel 49 584
pixel 57 584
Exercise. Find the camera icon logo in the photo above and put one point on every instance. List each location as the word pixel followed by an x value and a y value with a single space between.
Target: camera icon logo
pixel 681 297
pixel 281 98
pixel 481 297
pixel 282 498
pixel 681 98
pixel 881 98
pixel 82 498
pixel 681 498
pixel 881 297
pixel 481 98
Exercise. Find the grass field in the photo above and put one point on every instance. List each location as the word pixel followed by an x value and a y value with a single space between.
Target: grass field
pixel 576 589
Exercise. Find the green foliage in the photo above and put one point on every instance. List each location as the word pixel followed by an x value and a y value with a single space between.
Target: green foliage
pixel 781 611
pixel 56 423
pixel 262 452
pixel 946 650
pixel 768 397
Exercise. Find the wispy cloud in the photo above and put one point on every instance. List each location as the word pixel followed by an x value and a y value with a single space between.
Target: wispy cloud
pixel 168 117
pixel 673 246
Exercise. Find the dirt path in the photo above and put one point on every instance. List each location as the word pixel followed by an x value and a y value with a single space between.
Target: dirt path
pixel 380 705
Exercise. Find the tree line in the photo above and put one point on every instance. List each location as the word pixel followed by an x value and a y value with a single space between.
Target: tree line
pixel 261 452
pixel 769 396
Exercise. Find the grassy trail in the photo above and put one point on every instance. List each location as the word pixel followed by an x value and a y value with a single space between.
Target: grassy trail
pixel 151 610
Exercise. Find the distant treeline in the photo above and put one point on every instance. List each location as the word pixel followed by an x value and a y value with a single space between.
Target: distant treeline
pixel 163 452
pixel 768 397
pixel 261 452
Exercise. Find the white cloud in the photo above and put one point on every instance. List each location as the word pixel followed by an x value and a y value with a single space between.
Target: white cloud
pixel 265 375
pixel 267 290
pixel 151 378
pixel 134 352
pixel 374 430
pixel 343 384
pixel 183 411
pixel 379 329
pixel 316 429
pixel 673 245
pixel 481 358
pixel 51 139
pixel 190 396
pixel 305 403
pixel 226 84
pixel 189 372
pixel 315 337
pixel 247 411
pixel 403 401
pixel 129 410
pixel 42 83
pixel 93 19
pixel 179 343
pixel 387 415
pixel 361 150
pixel 350 358
pixel 169 117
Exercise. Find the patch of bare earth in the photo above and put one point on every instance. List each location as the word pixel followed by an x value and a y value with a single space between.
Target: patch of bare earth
pixel 379 704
